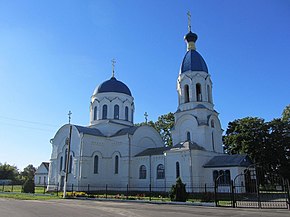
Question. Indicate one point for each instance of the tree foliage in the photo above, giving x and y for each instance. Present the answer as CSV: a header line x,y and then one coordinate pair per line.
x,y
163,125
286,113
178,191
8,172
266,143
29,186
28,172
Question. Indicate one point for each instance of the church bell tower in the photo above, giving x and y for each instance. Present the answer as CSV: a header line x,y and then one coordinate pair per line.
x,y
195,119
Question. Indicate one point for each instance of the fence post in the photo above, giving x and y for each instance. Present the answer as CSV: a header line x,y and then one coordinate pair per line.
x,y
149,192
215,193
43,188
106,191
3,187
88,192
288,193
127,196
12,188
233,194
72,189
205,190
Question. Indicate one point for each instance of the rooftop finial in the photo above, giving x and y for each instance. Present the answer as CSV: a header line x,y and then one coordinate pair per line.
x,y
146,117
189,20
113,67
69,116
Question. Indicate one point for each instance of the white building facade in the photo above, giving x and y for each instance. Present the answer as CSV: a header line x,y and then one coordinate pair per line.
x,y
112,151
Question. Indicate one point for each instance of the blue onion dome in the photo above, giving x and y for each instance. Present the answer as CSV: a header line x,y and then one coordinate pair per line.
x,y
192,60
113,85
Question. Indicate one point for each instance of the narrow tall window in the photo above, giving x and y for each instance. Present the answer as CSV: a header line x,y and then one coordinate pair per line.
x,y
212,123
116,164
70,164
215,175
188,136
160,171
96,164
60,163
186,93
142,172
116,112
126,113
95,113
105,111
177,170
198,92
212,141
227,177
208,94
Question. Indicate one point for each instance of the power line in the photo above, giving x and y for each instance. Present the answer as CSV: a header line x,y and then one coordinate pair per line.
x,y
30,122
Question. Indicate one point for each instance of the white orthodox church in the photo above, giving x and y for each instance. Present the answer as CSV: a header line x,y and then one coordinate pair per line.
x,y
112,151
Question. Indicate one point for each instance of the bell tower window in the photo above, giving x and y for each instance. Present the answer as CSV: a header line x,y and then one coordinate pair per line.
x,y
208,94
126,113
186,94
105,111
95,113
188,136
116,112
198,92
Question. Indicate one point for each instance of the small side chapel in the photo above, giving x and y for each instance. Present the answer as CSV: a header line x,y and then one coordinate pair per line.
x,y
112,151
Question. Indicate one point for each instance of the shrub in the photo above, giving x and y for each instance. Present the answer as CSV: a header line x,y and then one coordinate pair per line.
x,y
178,191
28,186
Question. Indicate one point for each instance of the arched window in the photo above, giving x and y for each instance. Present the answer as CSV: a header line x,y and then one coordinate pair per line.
x,y
212,141
116,112
160,171
177,170
132,115
142,172
116,164
105,112
65,160
222,177
126,113
208,94
95,113
60,163
188,136
215,174
96,164
227,177
186,93
198,92
70,164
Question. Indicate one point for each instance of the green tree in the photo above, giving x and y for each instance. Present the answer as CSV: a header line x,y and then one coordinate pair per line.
x,y
178,191
266,143
29,186
28,172
8,172
286,114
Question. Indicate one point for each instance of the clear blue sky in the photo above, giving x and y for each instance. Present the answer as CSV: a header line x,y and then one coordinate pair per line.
x,y
53,54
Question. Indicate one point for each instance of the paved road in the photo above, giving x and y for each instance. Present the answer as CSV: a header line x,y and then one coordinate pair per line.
x,y
80,208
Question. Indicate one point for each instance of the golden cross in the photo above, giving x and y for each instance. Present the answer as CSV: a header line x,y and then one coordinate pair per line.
x,y
146,116
69,116
113,66
189,20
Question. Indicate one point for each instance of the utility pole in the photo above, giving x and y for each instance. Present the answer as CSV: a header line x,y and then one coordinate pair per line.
x,y
68,155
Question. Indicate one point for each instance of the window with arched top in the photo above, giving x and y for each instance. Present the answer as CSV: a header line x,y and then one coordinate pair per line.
x,y
208,94
126,113
116,112
96,164
95,112
198,92
70,164
160,171
142,172
105,112
186,93
116,164
177,169
188,136
60,163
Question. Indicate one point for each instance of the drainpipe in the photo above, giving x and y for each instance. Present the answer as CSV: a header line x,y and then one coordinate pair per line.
x,y
80,160
190,168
